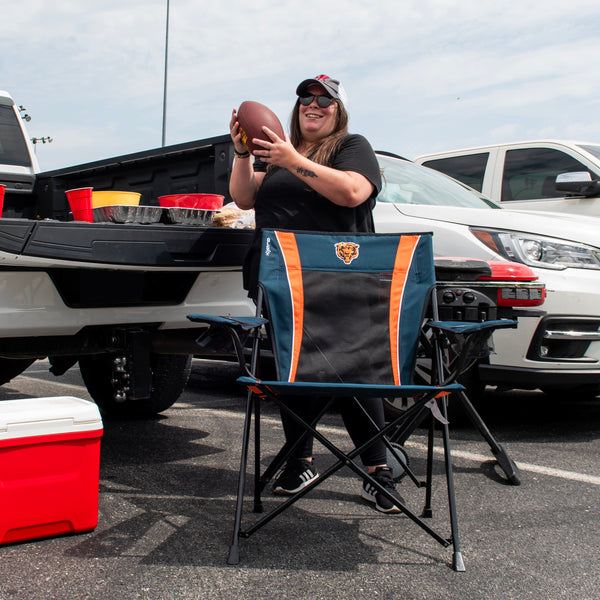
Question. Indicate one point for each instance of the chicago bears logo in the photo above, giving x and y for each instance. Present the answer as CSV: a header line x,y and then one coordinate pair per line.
x,y
347,251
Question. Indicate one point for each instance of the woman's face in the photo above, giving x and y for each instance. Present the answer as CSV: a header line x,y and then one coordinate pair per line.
x,y
317,123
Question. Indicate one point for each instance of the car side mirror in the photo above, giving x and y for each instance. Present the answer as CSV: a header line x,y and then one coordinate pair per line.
x,y
579,183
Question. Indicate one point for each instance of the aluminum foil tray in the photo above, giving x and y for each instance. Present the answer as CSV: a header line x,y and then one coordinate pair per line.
x,y
120,213
189,216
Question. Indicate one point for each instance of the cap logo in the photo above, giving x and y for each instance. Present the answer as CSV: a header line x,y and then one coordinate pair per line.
x,y
347,251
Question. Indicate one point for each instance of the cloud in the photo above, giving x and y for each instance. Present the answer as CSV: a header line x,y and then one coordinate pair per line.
x,y
421,74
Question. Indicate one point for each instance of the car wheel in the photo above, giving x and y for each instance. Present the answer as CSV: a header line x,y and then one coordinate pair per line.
x,y
589,390
475,390
11,367
170,373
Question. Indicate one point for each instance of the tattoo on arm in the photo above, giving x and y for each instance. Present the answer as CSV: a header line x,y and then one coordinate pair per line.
x,y
305,172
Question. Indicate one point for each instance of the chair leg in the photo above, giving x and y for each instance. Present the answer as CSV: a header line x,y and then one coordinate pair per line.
x,y
258,505
234,549
504,460
427,510
457,559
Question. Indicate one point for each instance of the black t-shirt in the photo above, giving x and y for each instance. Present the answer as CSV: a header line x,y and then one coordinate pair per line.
x,y
284,201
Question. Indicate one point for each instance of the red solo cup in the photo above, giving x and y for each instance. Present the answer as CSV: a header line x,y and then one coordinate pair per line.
x,y
80,201
2,188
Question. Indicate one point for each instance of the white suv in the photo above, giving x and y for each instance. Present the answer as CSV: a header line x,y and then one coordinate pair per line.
x,y
549,175
554,348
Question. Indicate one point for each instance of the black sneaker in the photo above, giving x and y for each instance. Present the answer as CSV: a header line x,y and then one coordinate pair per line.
x,y
297,474
383,476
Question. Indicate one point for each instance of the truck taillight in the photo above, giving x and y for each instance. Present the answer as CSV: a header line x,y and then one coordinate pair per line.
x,y
517,284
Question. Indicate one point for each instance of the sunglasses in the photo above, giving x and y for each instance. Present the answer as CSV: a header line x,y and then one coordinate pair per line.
x,y
322,101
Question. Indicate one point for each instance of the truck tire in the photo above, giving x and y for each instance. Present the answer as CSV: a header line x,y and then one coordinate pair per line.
x,y
11,367
170,373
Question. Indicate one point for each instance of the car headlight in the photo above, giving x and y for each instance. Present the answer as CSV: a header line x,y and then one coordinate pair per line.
x,y
539,251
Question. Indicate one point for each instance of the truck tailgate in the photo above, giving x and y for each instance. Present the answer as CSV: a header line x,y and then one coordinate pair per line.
x,y
155,245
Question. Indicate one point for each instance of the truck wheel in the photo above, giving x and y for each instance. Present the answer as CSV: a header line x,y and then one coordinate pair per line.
x,y
11,367
170,373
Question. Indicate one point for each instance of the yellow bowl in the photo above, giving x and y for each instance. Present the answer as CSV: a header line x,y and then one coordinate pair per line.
x,y
115,198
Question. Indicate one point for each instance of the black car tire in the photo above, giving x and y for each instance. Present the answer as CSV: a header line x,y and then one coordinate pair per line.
x,y
170,374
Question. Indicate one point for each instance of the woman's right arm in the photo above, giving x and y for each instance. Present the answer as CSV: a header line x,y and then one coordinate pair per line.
x,y
244,182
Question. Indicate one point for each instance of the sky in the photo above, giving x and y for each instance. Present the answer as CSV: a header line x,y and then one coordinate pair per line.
x,y
421,75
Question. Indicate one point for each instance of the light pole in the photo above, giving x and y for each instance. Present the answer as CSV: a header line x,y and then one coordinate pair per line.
x,y
36,141
164,119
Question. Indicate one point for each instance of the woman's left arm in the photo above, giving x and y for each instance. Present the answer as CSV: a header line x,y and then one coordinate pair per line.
x,y
344,188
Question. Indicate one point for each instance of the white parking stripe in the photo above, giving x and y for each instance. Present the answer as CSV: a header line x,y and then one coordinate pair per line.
x,y
572,475
528,467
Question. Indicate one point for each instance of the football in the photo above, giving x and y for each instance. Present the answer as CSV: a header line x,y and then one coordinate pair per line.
x,y
251,117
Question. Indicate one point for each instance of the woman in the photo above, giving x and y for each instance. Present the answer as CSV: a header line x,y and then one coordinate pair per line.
x,y
319,178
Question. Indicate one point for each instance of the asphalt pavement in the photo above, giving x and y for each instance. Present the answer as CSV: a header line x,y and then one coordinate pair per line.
x,y
166,502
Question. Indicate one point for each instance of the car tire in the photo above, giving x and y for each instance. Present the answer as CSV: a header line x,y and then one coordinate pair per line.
x,y
170,374
588,390
475,390
12,367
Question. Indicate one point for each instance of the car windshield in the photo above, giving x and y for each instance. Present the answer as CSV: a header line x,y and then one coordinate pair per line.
x,y
405,182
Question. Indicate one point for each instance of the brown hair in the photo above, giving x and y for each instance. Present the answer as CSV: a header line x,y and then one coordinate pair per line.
x,y
324,151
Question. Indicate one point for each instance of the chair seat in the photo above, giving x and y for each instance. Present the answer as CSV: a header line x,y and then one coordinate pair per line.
x,y
347,389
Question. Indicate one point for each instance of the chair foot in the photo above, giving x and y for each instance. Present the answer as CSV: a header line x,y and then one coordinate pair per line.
x,y
234,555
457,562
507,464
258,507
427,513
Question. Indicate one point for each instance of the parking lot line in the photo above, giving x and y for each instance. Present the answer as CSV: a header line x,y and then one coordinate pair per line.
x,y
472,456
551,471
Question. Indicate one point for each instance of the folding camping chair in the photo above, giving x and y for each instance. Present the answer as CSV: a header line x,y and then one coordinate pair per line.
x,y
344,314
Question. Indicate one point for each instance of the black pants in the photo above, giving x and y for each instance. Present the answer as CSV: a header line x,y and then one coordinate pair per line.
x,y
358,426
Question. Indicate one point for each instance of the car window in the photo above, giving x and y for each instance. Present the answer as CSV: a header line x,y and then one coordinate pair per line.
x,y
13,150
405,182
591,148
531,173
469,169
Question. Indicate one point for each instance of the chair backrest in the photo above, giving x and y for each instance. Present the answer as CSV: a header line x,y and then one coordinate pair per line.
x,y
346,308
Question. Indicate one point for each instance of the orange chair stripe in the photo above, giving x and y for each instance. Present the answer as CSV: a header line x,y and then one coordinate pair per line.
x,y
404,255
291,256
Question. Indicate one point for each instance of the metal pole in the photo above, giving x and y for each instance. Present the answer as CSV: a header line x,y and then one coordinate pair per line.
x,y
164,120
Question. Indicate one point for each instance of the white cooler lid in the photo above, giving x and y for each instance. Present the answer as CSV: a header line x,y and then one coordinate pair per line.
x,y
28,417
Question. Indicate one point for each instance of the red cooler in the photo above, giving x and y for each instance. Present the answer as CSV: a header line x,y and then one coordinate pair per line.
x,y
49,467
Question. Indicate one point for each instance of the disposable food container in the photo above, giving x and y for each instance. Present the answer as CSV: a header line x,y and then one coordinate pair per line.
x,y
127,214
109,198
189,216
198,201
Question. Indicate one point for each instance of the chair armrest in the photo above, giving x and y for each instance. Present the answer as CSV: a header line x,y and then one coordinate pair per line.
x,y
466,328
473,344
241,323
236,329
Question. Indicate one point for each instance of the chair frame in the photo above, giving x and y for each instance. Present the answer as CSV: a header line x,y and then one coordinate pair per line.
x,y
430,402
